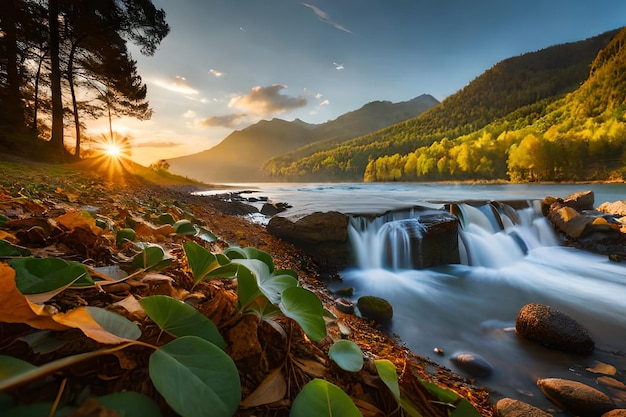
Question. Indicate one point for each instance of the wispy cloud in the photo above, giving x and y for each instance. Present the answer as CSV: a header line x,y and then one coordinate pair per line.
x,y
267,101
216,73
233,121
177,84
338,67
325,17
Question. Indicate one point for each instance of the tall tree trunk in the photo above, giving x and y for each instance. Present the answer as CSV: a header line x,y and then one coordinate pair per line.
x,y
35,124
70,80
55,76
13,107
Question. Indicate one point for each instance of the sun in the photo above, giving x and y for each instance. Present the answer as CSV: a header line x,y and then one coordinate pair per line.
x,y
112,150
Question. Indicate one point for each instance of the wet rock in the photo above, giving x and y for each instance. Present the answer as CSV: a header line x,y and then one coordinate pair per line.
x,y
345,306
618,207
576,397
472,363
568,220
375,308
440,240
553,329
271,208
580,201
324,236
508,407
345,292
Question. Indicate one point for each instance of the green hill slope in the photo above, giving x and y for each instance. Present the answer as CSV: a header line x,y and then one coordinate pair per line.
x,y
523,84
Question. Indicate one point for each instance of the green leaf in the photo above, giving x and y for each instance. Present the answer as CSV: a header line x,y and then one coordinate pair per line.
x,y
247,288
462,407
180,319
10,367
37,410
320,398
40,275
206,235
196,378
152,257
7,249
114,323
235,252
166,218
387,373
130,404
200,260
124,235
271,285
184,227
347,355
306,309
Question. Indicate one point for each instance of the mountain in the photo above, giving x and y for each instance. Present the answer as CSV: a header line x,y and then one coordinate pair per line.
x,y
529,81
240,156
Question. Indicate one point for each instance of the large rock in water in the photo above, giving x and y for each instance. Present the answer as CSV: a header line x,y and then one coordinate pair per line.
x,y
553,329
440,240
576,397
508,407
323,235
375,308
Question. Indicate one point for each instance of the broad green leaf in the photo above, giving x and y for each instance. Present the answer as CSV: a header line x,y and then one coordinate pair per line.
x,y
264,308
39,275
347,355
7,249
200,260
206,235
387,373
180,319
464,409
152,257
306,309
114,323
272,286
10,367
185,227
320,398
130,404
166,218
43,342
235,252
196,378
247,288
124,235
461,406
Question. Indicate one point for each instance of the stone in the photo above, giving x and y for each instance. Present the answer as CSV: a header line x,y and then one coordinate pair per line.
x,y
345,306
472,363
617,207
440,240
508,407
375,308
576,397
271,208
580,201
553,329
569,221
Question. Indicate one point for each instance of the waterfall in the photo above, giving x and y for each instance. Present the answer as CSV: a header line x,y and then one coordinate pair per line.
x,y
389,241
490,235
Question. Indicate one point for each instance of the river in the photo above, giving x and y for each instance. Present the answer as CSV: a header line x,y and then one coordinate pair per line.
x,y
471,307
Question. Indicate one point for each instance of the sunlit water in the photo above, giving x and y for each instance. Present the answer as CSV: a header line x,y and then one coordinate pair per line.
x,y
472,307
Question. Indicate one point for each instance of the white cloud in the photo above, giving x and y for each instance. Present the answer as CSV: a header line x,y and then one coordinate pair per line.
x,y
267,101
324,103
216,73
325,17
338,66
189,114
177,84
233,121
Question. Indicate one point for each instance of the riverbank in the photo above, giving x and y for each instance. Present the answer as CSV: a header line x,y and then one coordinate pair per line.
x,y
35,196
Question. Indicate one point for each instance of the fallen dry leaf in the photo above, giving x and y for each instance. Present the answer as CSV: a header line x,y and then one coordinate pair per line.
x,y
16,308
81,319
272,389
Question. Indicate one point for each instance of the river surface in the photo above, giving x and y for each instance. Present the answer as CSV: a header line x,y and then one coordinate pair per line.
x,y
471,307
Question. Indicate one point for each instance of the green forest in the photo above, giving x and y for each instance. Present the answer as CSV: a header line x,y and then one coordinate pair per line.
x,y
552,115
65,62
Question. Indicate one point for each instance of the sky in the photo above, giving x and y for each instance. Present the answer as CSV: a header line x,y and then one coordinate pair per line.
x,y
226,64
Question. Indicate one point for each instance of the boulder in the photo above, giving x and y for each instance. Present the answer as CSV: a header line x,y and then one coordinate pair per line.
x,y
324,236
553,329
568,220
271,208
440,240
580,201
576,397
472,363
618,412
617,207
375,308
508,407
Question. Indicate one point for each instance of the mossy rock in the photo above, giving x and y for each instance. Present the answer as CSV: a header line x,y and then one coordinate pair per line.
x,y
375,308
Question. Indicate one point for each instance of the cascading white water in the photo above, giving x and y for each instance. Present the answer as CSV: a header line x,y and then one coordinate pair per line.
x,y
509,258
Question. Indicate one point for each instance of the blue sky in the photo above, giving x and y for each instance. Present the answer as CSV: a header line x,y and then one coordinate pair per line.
x,y
227,64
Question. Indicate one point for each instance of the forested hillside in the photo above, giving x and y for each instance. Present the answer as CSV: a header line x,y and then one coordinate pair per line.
x,y
520,88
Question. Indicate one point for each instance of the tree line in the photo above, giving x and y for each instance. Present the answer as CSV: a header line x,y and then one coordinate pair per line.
x,y
67,60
